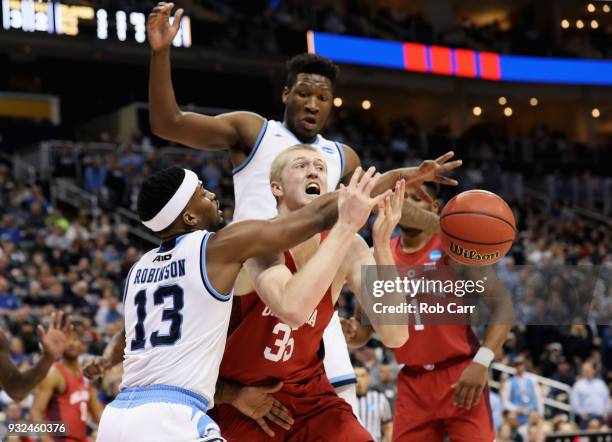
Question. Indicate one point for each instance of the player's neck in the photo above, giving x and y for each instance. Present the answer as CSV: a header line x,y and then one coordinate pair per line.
x,y
72,365
412,244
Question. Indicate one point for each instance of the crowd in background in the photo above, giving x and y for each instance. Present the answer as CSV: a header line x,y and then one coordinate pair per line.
x,y
278,27
56,256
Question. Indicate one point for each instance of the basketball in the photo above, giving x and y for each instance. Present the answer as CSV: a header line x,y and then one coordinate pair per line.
x,y
477,228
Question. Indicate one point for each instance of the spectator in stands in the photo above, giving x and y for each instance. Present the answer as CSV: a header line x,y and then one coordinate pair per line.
x,y
521,393
386,382
590,397
95,176
496,409
374,409
8,300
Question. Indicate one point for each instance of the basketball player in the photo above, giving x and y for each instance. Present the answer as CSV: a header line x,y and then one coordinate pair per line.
x,y
442,387
16,384
66,396
178,300
281,339
253,142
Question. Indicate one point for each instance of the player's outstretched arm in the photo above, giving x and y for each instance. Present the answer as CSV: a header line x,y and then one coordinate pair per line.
x,y
293,297
429,170
53,340
233,245
113,355
389,213
228,131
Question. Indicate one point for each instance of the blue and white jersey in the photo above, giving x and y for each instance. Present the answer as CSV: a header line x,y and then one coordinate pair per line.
x,y
252,192
175,322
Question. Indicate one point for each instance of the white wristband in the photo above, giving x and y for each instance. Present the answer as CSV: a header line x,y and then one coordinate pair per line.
x,y
484,356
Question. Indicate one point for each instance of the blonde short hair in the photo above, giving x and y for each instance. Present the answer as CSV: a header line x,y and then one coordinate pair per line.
x,y
279,163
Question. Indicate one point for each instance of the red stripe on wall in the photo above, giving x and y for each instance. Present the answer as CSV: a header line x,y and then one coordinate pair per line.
x,y
415,57
441,61
489,66
465,63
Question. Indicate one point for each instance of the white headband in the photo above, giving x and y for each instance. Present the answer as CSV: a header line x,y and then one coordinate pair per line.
x,y
177,203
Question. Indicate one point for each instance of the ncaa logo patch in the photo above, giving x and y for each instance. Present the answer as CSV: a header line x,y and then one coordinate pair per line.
x,y
327,149
435,255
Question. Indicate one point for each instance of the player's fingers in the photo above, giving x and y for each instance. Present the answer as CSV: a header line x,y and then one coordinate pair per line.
x,y
177,19
371,183
51,323
68,325
444,158
380,198
41,331
469,396
272,388
449,166
459,395
388,209
264,426
58,320
400,194
278,421
282,412
365,179
445,180
355,178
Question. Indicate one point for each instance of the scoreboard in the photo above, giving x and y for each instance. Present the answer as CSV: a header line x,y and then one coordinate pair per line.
x,y
75,20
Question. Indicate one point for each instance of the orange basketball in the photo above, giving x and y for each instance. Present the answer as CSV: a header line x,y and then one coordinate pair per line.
x,y
477,227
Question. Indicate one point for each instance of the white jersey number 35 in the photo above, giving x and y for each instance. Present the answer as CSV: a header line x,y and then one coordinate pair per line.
x,y
284,344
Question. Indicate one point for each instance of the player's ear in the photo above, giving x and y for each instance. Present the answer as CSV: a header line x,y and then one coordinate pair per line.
x,y
189,218
277,189
285,94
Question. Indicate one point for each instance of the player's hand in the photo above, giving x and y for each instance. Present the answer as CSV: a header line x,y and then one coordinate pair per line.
x,y
354,201
470,385
53,340
258,403
160,32
349,327
431,170
96,367
388,215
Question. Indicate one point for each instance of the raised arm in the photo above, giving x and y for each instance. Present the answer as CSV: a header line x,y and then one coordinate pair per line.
x,y
17,384
293,297
389,212
429,170
236,131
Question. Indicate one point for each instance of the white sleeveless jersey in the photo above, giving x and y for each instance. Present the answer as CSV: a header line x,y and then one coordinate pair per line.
x,y
252,193
175,321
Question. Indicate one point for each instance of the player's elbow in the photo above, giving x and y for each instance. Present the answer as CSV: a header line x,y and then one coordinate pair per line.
x,y
294,318
395,338
164,126
17,394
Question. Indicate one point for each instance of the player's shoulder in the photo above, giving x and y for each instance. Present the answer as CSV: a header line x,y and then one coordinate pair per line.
x,y
247,118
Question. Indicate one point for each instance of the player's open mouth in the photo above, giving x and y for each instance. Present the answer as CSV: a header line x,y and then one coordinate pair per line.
x,y
313,189
309,123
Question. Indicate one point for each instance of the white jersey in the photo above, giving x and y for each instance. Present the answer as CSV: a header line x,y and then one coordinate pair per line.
x,y
175,321
252,193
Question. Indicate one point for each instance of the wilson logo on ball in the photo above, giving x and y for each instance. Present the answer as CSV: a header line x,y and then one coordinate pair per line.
x,y
472,254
